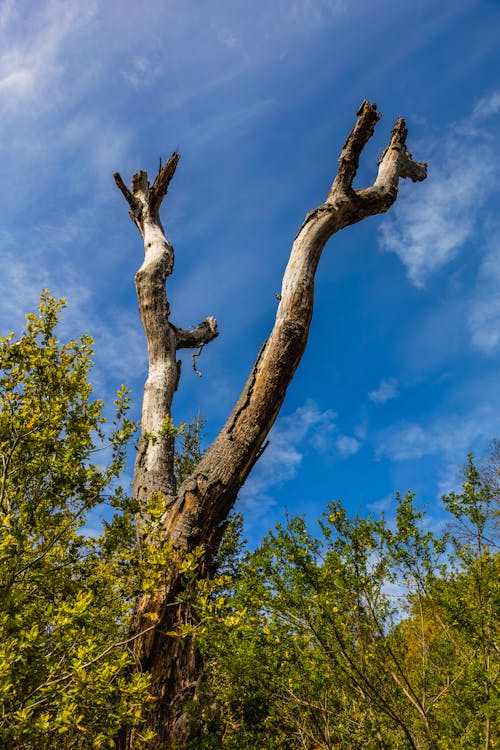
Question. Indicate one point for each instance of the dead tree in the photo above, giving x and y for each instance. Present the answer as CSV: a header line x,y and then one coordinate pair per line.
x,y
196,511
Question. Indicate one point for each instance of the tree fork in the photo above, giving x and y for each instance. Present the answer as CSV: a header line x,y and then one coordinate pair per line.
x,y
197,510
154,466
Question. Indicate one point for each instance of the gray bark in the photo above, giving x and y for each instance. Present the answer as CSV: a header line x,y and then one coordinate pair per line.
x,y
154,466
197,510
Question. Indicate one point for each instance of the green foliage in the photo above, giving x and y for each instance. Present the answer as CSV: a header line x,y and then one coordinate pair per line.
x,y
372,635
65,596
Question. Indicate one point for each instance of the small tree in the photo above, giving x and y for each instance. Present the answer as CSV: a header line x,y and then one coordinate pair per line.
x,y
195,513
65,596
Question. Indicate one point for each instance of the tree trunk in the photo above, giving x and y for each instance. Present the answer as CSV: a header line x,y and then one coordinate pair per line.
x,y
196,512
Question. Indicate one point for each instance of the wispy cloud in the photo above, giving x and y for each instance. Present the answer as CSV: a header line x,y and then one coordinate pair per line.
x,y
221,123
104,141
120,343
49,126
119,340
484,306
381,506
428,230
33,39
486,107
429,226
445,440
307,427
450,436
21,287
386,390
142,71
315,11
347,445
232,41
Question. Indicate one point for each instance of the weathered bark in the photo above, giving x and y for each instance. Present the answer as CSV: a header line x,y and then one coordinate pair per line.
x,y
154,466
198,509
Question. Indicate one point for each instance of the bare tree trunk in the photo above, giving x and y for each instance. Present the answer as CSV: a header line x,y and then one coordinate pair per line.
x,y
196,512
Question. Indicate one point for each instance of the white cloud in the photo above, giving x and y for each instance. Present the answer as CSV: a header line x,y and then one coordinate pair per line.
x,y
484,324
381,506
307,427
15,83
447,439
347,446
20,286
450,436
32,40
142,71
105,143
227,38
120,348
428,230
315,11
429,226
404,442
485,108
120,343
232,42
484,308
214,125
387,389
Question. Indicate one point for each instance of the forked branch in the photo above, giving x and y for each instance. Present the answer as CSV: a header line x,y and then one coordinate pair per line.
x,y
144,200
206,497
154,467
367,118
196,512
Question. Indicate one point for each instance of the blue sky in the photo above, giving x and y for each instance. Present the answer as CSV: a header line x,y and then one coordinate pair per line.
x,y
400,378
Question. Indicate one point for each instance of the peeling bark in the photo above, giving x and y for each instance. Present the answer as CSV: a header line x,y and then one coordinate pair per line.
x,y
196,512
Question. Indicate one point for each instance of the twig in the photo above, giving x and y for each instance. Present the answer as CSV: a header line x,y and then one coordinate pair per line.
x,y
197,354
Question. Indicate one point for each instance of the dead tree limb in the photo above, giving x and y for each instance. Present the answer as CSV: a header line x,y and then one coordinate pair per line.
x,y
154,467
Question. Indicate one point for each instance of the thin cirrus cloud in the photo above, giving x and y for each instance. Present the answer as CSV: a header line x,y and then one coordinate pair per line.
x,y
449,436
486,107
484,306
446,439
347,445
142,71
117,333
315,11
428,230
32,48
387,390
293,435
